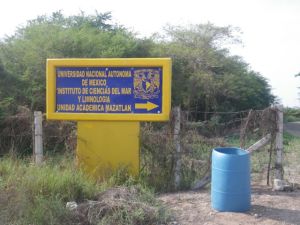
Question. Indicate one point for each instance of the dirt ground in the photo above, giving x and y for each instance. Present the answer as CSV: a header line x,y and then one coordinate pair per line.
x,y
267,207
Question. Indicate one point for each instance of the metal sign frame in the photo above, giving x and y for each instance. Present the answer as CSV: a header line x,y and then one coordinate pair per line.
x,y
164,63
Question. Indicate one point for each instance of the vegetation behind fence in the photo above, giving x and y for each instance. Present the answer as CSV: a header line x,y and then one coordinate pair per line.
x,y
159,155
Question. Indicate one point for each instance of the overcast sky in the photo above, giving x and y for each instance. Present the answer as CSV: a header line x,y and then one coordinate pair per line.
x,y
271,28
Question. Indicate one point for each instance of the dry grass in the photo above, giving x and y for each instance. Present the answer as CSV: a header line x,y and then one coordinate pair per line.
x,y
37,195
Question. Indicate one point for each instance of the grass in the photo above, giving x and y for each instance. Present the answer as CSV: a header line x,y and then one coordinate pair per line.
x,y
291,158
37,195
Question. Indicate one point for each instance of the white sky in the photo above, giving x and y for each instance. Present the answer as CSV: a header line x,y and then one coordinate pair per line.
x,y
271,28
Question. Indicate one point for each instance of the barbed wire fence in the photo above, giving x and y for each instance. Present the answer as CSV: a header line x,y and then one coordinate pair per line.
x,y
191,151
17,134
174,155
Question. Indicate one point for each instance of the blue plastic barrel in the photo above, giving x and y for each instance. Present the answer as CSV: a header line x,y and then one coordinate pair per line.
x,y
230,180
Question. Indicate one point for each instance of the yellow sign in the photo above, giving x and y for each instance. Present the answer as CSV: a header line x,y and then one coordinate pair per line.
x,y
104,146
109,89
108,97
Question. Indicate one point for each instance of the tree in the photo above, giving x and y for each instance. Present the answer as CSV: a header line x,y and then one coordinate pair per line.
x,y
205,76
10,93
84,36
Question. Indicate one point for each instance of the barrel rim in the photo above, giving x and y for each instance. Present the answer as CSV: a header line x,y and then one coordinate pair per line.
x,y
238,152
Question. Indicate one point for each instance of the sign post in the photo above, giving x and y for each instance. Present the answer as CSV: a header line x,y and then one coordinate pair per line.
x,y
108,98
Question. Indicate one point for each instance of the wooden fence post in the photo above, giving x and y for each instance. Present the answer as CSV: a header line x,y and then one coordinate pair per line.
x,y
177,146
279,143
38,137
259,144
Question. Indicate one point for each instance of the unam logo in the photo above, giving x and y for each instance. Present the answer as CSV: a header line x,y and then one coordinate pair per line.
x,y
146,83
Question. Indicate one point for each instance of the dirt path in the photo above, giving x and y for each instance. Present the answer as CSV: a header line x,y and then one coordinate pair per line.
x,y
292,128
268,208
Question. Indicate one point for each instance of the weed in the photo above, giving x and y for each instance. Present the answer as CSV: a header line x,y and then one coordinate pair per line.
x,y
31,194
